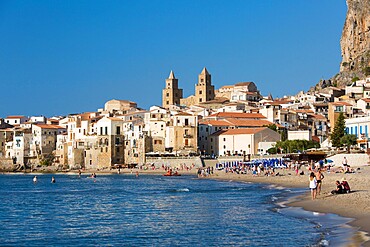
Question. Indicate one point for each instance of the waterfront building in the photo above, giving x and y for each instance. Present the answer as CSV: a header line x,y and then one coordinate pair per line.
x,y
359,127
242,141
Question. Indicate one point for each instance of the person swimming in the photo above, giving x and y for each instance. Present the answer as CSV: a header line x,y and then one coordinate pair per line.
x,y
52,180
35,179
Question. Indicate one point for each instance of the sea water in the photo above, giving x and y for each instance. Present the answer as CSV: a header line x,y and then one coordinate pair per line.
x,y
153,210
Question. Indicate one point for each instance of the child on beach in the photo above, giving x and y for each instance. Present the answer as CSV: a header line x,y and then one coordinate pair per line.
x,y
313,185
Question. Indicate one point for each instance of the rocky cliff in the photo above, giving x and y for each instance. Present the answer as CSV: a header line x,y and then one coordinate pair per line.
x,y
355,46
355,41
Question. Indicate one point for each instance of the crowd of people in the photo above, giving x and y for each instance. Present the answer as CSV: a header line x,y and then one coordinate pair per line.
x,y
316,177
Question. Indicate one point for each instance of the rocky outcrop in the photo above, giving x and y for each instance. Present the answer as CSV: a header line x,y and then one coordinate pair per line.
x,y
355,46
355,41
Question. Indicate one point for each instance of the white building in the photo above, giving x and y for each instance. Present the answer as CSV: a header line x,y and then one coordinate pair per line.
x,y
15,120
359,127
241,141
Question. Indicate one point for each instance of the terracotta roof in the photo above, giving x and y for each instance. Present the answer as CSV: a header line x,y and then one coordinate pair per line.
x,y
246,131
366,99
243,83
317,116
249,122
280,102
339,103
183,114
303,111
15,117
215,122
49,126
237,115
114,118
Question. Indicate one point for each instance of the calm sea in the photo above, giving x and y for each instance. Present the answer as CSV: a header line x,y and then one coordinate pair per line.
x,y
151,210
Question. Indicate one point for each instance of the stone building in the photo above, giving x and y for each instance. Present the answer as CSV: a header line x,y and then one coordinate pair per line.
x,y
171,93
204,90
119,105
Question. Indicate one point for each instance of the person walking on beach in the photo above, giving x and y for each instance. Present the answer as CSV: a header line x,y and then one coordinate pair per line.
x,y
313,185
344,163
319,178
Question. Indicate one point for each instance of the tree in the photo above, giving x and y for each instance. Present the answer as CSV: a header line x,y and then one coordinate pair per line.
x,y
339,131
272,127
348,141
289,146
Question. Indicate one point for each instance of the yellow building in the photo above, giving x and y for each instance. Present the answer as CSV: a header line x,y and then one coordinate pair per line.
x,y
171,94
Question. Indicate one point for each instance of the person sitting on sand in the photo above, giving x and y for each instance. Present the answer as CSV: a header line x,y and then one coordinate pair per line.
x,y
345,186
339,189
313,185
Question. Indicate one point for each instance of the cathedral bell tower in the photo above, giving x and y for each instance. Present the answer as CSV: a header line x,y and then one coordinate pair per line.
x,y
204,90
171,94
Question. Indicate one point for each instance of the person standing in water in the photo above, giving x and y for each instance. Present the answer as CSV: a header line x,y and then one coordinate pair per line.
x,y
35,179
52,180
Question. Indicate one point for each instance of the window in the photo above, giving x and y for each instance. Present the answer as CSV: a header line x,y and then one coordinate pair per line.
x,y
200,91
167,102
224,147
118,130
167,94
186,122
224,139
106,130
200,100
202,80
159,142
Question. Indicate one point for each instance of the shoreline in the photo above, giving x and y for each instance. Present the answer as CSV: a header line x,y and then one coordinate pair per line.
x,y
354,205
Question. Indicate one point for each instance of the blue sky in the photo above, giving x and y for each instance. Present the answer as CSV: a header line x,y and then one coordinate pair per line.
x,y
59,57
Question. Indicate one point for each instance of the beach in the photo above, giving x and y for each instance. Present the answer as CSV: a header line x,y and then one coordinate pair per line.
x,y
354,205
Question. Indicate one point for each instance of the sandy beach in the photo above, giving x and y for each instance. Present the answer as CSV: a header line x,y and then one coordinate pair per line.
x,y
354,205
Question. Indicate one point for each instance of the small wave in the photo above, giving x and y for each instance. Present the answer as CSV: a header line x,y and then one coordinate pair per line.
x,y
324,243
274,198
183,190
